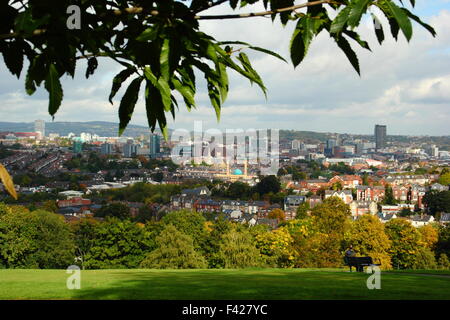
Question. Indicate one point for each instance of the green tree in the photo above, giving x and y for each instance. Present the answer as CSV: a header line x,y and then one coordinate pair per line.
x,y
443,262
238,250
437,202
268,184
405,243
405,212
37,239
116,244
302,210
444,179
85,236
175,250
191,223
118,210
424,259
331,222
389,196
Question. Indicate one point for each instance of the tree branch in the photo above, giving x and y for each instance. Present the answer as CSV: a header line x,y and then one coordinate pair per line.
x,y
263,13
140,10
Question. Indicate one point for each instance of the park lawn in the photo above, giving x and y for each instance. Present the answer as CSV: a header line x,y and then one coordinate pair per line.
x,y
275,284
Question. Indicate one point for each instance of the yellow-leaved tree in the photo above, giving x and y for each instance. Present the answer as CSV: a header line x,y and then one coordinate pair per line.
x,y
368,238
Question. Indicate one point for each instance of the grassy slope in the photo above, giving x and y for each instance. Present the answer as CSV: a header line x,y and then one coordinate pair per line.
x,y
219,284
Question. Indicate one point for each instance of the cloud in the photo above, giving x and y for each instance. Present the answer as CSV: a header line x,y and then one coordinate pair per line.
x,y
404,85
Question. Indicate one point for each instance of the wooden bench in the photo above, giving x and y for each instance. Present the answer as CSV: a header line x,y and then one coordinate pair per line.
x,y
359,263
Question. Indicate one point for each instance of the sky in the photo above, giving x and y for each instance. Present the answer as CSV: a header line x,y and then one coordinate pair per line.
x,y
405,86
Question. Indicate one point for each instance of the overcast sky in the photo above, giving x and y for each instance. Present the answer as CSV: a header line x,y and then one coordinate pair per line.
x,y
405,86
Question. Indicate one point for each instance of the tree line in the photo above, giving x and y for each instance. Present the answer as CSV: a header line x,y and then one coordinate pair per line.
x,y
186,239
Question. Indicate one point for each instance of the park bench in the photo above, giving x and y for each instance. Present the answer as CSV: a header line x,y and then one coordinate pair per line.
x,y
359,263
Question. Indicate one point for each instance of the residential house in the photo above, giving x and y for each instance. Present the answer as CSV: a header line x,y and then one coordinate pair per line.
x,y
359,208
344,195
421,220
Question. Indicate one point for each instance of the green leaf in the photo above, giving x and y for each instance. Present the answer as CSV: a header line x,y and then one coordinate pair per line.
x,y
92,66
118,80
356,12
402,19
378,29
355,36
13,57
347,49
128,103
149,34
341,19
254,76
224,86
53,86
417,19
164,59
268,52
162,85
186,92
155,108
29,82
214,97
305,31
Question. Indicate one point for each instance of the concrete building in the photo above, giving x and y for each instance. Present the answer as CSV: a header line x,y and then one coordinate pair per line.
x,y
380,136
39,127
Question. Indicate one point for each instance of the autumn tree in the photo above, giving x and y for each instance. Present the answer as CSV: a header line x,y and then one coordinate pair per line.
x,y
276,246
429,236
405,243
277,214
331,220
368,238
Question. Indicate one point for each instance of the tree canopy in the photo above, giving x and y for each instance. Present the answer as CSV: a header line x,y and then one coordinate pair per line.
x,y
161,46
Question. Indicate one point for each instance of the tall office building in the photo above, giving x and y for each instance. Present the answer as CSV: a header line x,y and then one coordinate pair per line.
x,y
130,150
39,126
380,137
155,145
106,148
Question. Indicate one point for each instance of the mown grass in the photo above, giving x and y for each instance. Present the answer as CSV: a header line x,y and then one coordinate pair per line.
x,y
277,284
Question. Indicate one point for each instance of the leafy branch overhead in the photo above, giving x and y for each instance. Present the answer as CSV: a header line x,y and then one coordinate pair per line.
x,y
161,47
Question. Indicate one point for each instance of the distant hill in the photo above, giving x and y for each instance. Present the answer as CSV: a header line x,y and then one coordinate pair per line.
x,y
101,128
